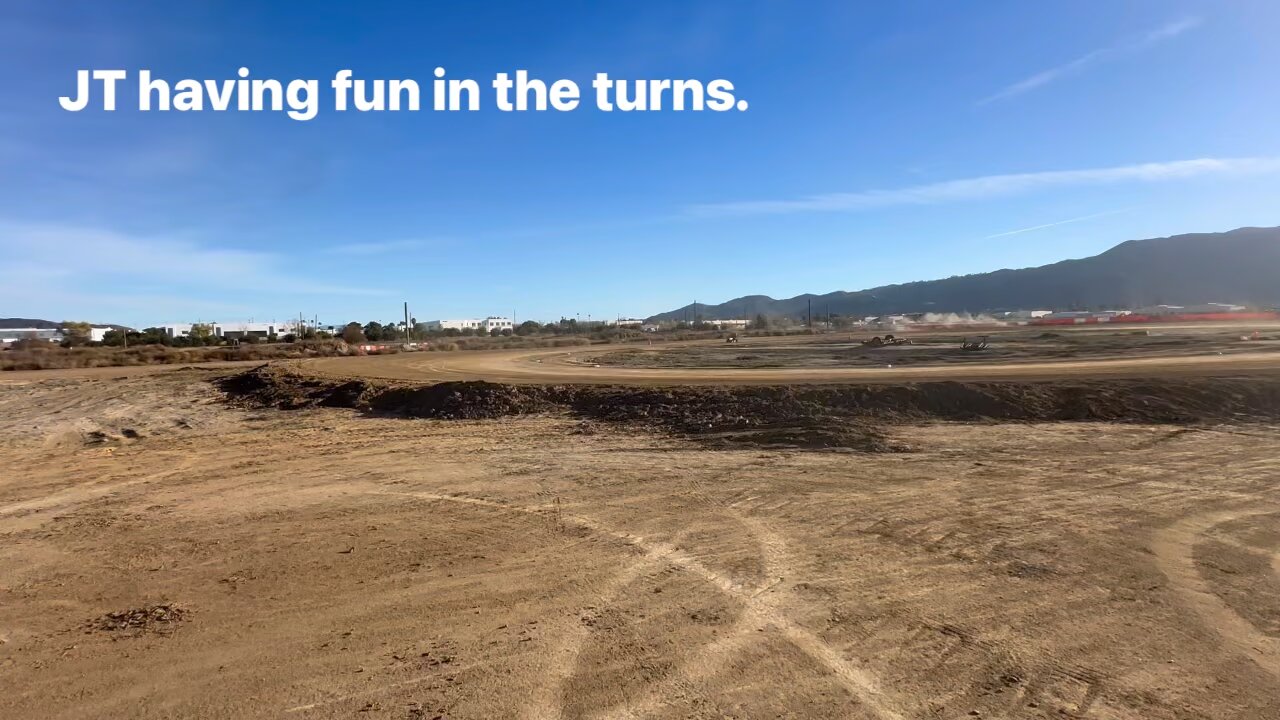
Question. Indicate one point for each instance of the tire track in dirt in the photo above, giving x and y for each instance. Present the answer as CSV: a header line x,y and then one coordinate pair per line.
x,y
546,703
1174,547
80,494
711,658
759,607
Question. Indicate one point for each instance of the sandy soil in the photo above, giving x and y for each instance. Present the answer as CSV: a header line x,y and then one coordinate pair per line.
x,y
20,377
322,563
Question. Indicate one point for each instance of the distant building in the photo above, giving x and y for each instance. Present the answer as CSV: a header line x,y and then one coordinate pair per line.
x,y
1191,309
487,325
53,335
627,322
1161,310
12,335
237,330
729,324
1216,308
181,330
1022,314
1071,314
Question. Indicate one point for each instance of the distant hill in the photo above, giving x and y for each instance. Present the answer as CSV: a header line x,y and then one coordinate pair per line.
x,y
1240,266
10,323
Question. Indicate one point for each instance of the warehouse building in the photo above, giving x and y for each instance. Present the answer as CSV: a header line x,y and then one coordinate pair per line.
x,y
488,324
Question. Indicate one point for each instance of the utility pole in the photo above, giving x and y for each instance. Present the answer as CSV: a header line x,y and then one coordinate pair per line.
x,y
406,323
810,312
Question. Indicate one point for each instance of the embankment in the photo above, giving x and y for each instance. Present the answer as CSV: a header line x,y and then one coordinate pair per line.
x,y
810,416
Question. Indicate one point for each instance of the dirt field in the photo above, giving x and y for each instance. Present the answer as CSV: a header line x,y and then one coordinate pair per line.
x,y
168,554
1211,349
943,348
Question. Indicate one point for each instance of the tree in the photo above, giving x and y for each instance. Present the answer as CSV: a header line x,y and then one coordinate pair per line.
x,y
202,334
760,323
76,333
113,337
352,334
152,336
29,342
373,331
529,327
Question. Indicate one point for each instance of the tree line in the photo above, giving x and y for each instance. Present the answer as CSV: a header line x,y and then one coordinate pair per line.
x,y
78,334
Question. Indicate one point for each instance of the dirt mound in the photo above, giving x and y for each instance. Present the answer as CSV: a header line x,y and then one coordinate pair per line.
x,y
287,391
462,400
762,416
832,416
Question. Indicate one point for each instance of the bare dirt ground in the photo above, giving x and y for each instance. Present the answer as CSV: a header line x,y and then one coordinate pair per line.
x,y
944,348
166,554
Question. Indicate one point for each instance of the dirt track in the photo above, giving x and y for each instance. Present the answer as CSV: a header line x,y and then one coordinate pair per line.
x,y
559,366
321,563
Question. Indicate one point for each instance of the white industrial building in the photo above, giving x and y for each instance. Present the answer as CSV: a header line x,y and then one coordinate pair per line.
x,y
178,330
11,335
236,331
233,330
53,335
488,324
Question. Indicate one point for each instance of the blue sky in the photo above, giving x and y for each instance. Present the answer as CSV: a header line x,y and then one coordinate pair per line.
x,y
884,142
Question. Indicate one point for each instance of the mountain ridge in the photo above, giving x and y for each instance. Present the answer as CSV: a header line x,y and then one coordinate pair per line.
x,y
18,323
1238,266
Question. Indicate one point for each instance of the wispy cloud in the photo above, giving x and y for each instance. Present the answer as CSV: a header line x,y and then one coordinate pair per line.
x,y
377,248
1167,31
80,256
1046,226
980,188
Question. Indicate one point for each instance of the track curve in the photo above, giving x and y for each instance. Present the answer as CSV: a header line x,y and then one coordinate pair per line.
x,y
561,366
